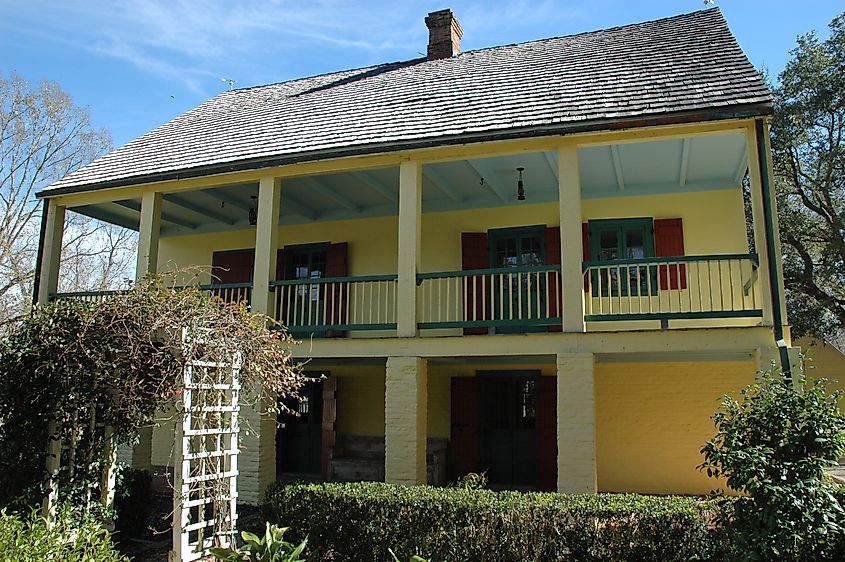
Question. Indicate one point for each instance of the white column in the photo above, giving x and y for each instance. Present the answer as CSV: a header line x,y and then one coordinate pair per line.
x,y
51,252
576,424
571,249
266,243
759,225
410,230
405,416
257,462
148,235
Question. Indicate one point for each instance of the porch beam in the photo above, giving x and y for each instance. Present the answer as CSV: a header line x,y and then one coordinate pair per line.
x,y
194,208
617,167
547,156
438,182
576,424
569,207
410,230
298,208
682,174
229,200
166,217
490,185
740,171
383,190
315,185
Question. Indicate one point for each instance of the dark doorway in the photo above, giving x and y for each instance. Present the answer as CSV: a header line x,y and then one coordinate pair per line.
x,y
508,428
299,440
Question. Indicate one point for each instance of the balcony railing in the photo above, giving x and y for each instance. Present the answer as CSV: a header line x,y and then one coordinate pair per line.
x,y
688,287
228,292
512,299
484,298
318,305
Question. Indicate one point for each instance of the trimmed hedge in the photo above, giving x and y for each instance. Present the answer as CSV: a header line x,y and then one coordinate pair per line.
x,y
361,521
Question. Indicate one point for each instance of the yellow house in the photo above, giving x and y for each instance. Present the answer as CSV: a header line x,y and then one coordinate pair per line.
x,y
530,260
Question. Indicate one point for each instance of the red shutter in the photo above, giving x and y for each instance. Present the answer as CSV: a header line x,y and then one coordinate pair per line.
x,y
669,243
232,267
329,419
463,444
585,250
547,434
281,266
474,255
335,297
553,258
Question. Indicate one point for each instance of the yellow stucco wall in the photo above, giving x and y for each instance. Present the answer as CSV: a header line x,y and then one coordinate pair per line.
x,y
824,361
653,418
713,223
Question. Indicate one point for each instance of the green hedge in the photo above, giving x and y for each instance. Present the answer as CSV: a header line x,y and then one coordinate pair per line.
x,y
361,521
27,539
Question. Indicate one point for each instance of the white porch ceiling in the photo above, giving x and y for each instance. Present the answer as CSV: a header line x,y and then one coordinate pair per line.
x,y
698,163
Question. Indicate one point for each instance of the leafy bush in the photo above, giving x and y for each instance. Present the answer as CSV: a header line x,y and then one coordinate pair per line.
x,y
360,521
774,446
133,500
69,540
272,547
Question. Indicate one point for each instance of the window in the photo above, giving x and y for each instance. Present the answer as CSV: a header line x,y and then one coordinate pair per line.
x,y
619,240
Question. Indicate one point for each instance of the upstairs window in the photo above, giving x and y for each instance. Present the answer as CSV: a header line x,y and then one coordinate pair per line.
x,y
623,239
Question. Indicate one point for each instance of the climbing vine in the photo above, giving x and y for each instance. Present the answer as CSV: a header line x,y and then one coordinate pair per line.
x,y
94,372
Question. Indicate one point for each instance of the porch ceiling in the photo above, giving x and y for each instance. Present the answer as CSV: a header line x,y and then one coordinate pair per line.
x,y
622,170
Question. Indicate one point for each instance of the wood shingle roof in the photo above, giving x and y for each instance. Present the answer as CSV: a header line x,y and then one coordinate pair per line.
x,y
688,66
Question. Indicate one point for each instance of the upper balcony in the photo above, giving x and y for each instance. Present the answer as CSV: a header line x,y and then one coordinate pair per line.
x,y
609,233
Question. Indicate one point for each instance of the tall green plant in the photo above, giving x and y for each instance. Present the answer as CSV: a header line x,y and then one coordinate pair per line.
x,y
773,445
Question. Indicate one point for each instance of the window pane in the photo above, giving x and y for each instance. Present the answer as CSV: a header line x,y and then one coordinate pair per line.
x,y
634,243
608,245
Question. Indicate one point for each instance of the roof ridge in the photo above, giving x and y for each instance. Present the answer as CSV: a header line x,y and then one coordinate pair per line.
x,y
401,63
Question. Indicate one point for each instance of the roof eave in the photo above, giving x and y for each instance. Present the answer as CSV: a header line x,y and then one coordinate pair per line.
x,y
569,128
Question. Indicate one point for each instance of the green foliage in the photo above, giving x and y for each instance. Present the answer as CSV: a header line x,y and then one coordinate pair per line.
x,y
774,446
111,364
272,547
414,558
27,539
473,481
133,500
359,521
808,150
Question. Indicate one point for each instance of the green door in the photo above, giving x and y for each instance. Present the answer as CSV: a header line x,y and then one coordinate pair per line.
x,y
519,297
299,438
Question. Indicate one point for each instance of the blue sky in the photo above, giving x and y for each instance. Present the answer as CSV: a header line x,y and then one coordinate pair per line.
x,y
136,64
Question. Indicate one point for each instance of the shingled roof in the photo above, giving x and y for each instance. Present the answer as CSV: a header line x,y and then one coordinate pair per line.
x,y
683,68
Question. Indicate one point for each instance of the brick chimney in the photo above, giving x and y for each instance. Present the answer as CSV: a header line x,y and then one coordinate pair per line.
x,y
444,34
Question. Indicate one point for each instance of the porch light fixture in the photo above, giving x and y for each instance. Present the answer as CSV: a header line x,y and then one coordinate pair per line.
x,y
253,211
520,188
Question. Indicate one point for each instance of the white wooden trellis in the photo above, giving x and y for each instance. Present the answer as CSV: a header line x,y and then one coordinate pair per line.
x,y
206,455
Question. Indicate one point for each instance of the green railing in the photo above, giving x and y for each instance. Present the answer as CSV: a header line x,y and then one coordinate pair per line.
x,y
686,287
504,299
318,305
228,292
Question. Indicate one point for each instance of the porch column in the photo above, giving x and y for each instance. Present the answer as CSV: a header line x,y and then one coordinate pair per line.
x,y
257,462
148,235
410,213
405,415
576,424
48,282
759,226
571,248
266,244
51,251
